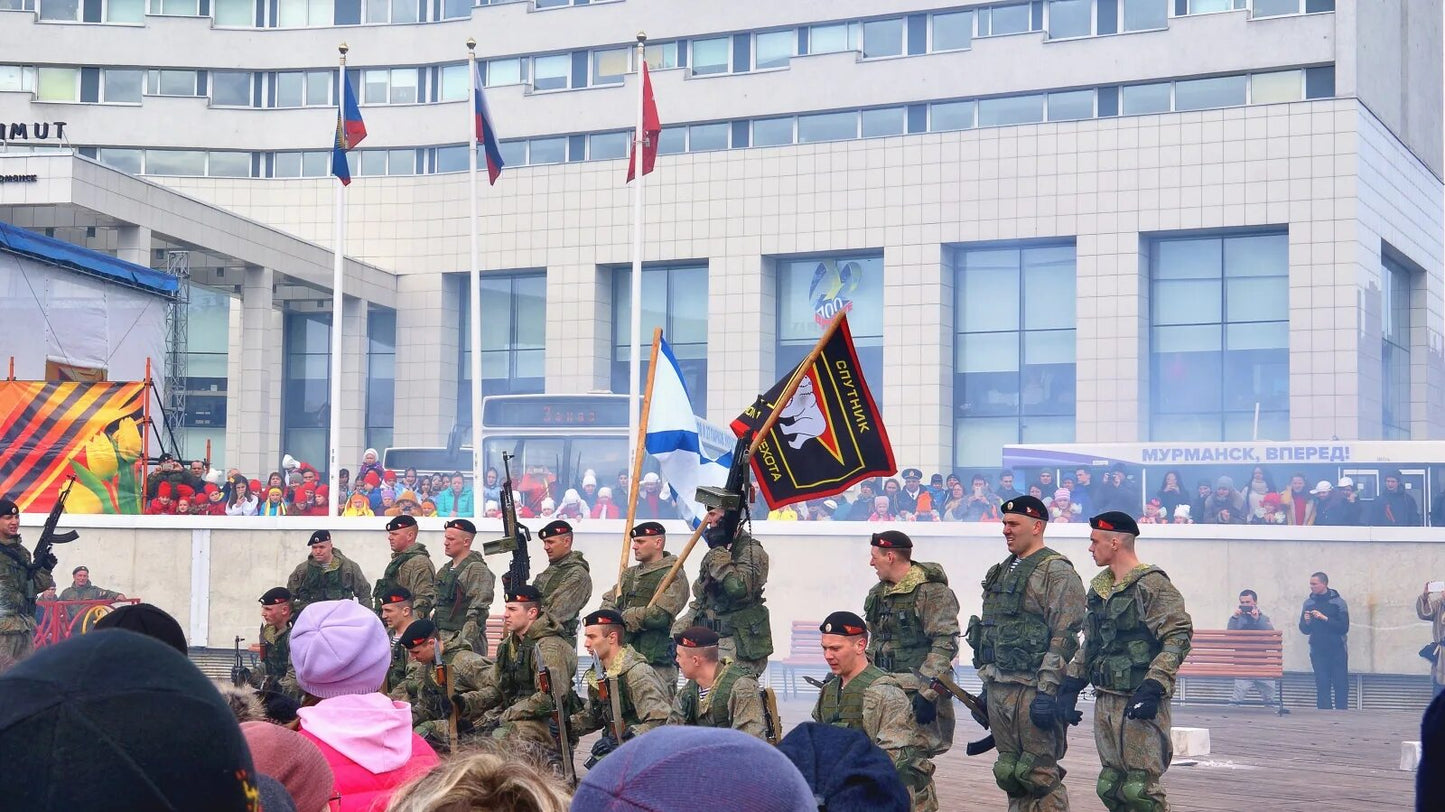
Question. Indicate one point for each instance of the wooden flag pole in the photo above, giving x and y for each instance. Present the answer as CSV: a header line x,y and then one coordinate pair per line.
x,y
677,565
640,451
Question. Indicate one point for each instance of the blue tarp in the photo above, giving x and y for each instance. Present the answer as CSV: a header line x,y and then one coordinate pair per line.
x,y
58,252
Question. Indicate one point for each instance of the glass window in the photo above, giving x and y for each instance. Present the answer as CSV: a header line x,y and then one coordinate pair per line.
x,y
773,49
503,72
769,132
235,13
1395,332
315,164
952,31
456,9
290,13
230,165
318,87
1010,110
17,77
882,38
125,11
1071,18
1143,99
454,159
883,121
456,85
811,291
374,84
1003,20
672,141
404,83
1210,6
123,86
605,146
291,89
660,56
58,84
828,127
610,65
230,88
1199,94
126,160
286,165
547,150
372,161
945,116
377,11
514,341
172,83
404,11
175,162
710,56
320,12
1277,86
1145,15
401,162
1071,105
62,10
829,39
514,153
551,72
669,301
1274,8
707,137
380,375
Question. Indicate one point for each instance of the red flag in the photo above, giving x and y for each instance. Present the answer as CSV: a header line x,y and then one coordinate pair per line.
x,y
651,130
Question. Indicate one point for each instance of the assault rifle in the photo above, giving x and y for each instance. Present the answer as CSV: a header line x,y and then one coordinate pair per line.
x,y
732,497
240,674
48,536
515,535
945,685
443,676
554,689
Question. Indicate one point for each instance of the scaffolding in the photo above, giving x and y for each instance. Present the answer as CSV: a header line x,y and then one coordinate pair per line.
x,y
178,264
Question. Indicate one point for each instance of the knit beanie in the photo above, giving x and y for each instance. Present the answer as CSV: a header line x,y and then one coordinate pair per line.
x,y
274,797
292,759
121,722
846,771
149,620
339,648
660,771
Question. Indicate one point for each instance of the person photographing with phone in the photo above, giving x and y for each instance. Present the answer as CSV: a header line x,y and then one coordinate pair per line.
x,y
1325,619
1248,617
1430,606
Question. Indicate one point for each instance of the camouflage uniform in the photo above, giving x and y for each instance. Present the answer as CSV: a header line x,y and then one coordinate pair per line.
x,y
1136,629
464,599
467,672
400,668
410,568
566,587
19,587
643,699
728,598
875,703
648,630
510,700
913,625
340,580
1033,609
89,592
734,701
274,671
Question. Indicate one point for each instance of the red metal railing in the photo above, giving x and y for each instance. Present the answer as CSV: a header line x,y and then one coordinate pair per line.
x,y
61,619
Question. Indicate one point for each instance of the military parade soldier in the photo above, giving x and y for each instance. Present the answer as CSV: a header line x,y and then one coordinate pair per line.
x,y
566,583
1033,609
81,589
648,628
728,596
21,582
397,615
274,673
431,703
718,692
465,586
327,575
861,696
1136,635
913,631
410,567
625,697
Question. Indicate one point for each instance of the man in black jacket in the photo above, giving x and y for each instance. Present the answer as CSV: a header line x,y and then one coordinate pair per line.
x,y
1394,507
1326,621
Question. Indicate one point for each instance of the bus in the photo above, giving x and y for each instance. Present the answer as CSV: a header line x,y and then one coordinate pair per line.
x,y
1419,463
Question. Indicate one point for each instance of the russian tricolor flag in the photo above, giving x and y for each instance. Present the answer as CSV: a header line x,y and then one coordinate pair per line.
x,y
350,130
486,129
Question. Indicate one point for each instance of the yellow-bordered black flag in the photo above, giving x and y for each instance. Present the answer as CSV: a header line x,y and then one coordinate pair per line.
x,y
828,435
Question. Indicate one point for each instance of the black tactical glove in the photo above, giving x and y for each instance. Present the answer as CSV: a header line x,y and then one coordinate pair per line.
x,y
444,705
1144,704
1043,711
923,710
981,715
46,562
1067,704
604,745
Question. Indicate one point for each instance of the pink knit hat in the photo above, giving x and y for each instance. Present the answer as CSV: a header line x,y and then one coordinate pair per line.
x,y
292,759
339,648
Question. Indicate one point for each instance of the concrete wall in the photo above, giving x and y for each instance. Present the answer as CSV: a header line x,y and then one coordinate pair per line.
x,y
210,574
1396,59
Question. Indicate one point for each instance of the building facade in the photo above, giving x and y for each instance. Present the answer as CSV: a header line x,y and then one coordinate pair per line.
x,y
1051,221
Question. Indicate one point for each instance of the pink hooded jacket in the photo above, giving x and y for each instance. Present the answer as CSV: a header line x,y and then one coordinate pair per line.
x,y
368,741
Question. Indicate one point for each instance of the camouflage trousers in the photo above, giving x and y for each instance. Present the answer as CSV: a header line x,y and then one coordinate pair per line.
x,y
14,647
925,799
1028,756
1133,753
668,675
727,647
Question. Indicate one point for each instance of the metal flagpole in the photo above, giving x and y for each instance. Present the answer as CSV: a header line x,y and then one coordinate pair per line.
x,y
635,368
475,286
338,252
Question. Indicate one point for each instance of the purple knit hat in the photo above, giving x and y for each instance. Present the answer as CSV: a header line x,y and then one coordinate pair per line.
x,y
339,648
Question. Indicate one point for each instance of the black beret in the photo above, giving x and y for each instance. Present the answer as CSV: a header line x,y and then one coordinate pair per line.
x,y
555,528
275,596
79,569
844,623
648,529
397,594
603,617
319,536
398,522
1115,521
464,525
1026,506
696,637
891,540
8,508
417,633
524,594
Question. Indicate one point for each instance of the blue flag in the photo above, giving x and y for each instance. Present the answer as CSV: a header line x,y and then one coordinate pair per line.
x,y
350,130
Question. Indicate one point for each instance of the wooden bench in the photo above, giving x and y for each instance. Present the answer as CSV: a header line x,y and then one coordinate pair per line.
x,y
805,656
494,634
1235,654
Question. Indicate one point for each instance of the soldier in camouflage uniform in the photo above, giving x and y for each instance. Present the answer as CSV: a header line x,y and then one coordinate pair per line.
x,y
861,696
1136,635
640,695
566,583
648,628
718,693
912,629
465,586
397,616
20,583
728,597
274,672
431,703
510,700
1033,608
81,589
410,567
327,575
